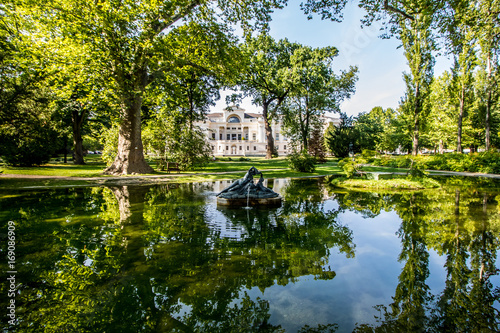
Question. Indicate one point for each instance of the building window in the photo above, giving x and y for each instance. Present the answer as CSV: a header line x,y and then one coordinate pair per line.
x,y
277,137
239,136
254,148
284,147
277,147
254,136
213,147
220,148
220,136
233,137
227,147
248,147
228,137
240,148
213,136
233,119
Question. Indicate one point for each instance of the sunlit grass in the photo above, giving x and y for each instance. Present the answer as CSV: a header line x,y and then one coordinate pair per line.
x,y
223,169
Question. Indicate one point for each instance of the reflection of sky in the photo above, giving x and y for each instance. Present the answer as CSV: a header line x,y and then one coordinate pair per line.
x,y
362,282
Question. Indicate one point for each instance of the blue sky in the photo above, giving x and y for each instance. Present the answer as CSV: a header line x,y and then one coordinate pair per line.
x,y
380,63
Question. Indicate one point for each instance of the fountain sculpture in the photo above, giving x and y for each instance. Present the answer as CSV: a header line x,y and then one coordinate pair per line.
x,y
245,191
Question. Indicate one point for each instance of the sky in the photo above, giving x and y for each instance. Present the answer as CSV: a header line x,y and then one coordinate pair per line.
x,y
380,62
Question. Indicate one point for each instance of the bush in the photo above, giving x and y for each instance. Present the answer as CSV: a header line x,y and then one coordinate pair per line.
x,y
351,166
29,146
302,162
369,155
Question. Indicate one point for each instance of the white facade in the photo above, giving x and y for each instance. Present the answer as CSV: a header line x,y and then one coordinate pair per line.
x,y
234,132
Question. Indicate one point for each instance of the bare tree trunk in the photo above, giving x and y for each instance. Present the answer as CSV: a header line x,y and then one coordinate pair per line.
x,y
487,129
460,120
269,130
77,122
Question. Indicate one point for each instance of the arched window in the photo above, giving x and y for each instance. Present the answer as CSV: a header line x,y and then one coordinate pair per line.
x,y
233,119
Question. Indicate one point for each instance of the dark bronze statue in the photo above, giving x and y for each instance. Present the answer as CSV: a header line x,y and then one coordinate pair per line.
x,y
246,188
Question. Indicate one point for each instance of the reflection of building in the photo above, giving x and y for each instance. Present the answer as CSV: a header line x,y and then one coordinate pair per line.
x,y
236,132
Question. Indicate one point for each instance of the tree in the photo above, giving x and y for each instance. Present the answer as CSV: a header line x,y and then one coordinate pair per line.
x,y
340,139
267,77
317,89
317,145
129,43
460,38
26,133
442,120
370,126
488,24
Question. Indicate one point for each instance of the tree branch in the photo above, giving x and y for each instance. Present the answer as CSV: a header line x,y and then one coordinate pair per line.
x,y
390,8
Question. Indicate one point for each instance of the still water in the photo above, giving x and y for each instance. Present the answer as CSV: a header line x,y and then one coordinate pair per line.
x,y
167,259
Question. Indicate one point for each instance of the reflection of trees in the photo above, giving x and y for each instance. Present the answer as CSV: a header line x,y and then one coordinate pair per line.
x,y
148,261
461,224
293,241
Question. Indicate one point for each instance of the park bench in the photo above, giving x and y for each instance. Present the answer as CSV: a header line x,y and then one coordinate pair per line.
x,y
173,166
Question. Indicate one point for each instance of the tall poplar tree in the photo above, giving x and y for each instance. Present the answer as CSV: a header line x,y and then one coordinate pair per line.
x,y
458,20
488,22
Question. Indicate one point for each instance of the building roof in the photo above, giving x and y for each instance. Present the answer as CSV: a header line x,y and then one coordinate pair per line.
x,y
215,114
252,115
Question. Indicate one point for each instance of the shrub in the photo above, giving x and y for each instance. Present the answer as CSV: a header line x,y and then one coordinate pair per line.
x,y
29,146
302,162
351,166
369,155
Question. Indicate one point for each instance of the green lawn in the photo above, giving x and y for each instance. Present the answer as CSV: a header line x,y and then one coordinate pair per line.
x,y
217,170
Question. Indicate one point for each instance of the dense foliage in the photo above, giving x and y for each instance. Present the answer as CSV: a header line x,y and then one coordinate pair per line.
x,y
301,161
486,162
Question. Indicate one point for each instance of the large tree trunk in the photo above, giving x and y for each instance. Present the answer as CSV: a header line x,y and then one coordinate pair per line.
x,y
460,120
269,131
130,157
77,122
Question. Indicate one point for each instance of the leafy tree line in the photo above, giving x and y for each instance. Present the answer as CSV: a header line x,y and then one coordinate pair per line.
x,y
139,74
460,108
139,65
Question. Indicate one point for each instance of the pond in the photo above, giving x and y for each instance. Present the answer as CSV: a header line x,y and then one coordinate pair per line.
x,y
166,259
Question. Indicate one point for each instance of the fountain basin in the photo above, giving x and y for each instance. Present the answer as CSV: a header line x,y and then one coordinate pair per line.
x,y
242,202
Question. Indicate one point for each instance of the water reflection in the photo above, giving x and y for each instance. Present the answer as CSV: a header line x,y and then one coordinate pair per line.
x,y
165,258
462,225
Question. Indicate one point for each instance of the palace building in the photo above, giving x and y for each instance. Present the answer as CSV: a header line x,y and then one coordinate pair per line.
x,y
235,132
